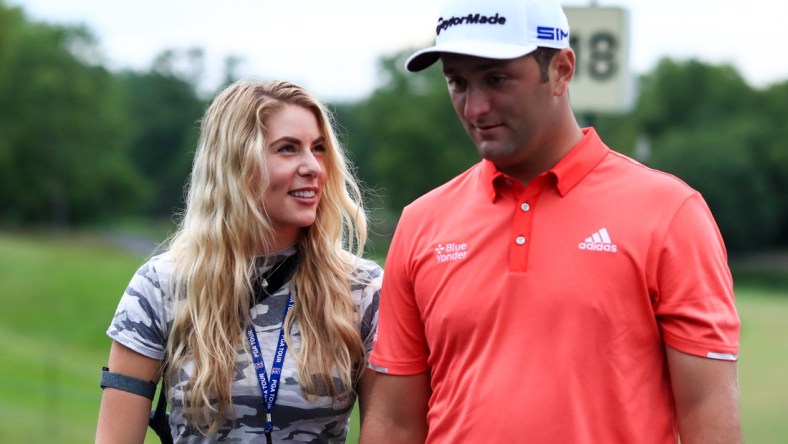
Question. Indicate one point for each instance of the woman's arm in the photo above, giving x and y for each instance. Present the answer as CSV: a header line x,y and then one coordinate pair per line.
x,y
123,416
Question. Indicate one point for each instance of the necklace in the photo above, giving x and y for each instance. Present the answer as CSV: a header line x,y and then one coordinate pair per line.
x,y
270,273
273,279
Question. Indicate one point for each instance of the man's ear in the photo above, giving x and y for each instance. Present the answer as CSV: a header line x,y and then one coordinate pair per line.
x,y
562,68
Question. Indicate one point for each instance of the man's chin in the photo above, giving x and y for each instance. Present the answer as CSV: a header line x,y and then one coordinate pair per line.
x,y
489,150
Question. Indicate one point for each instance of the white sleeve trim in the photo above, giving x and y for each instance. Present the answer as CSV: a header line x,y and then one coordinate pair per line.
x,y
722,356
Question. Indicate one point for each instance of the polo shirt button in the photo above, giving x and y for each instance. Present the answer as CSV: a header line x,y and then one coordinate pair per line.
x,y
520,240
508,181
525,207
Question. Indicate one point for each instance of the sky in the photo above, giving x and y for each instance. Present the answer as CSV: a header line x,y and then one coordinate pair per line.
x,y
332,47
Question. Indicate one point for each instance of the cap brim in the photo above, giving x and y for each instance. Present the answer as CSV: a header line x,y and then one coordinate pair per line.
x,y
424,58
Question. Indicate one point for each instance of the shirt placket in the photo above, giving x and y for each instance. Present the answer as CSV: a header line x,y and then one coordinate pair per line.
x,y
521,238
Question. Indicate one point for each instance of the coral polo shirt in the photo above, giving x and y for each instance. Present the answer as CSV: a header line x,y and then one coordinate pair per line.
x,y
542,312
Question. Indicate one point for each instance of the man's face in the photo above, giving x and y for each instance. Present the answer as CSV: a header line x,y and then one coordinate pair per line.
x,y
505,107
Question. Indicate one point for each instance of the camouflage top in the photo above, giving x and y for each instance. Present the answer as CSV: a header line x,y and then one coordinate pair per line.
x,y
144,317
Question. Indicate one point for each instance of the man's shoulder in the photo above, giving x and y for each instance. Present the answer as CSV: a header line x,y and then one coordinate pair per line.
x,y
459,185
639,176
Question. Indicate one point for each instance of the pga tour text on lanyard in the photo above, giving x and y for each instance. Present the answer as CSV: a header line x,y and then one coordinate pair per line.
x,y
269,387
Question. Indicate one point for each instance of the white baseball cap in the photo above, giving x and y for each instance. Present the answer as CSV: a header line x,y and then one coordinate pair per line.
x,y
495,29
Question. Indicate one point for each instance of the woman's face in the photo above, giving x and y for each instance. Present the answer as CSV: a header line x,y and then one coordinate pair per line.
x,y
295,158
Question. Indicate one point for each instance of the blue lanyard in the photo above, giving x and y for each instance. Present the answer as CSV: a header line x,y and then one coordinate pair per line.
x,y
269,388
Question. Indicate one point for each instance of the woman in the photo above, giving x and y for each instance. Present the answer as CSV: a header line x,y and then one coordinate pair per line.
x,y
223,315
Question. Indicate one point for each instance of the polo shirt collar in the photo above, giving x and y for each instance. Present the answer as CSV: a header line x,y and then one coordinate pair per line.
x,y
568,172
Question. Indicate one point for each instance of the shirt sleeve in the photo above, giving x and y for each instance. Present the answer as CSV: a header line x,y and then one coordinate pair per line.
x,y
400,346
141,320
696,307
369,277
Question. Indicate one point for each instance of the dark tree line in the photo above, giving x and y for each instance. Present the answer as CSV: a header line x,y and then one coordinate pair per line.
x,y
81,144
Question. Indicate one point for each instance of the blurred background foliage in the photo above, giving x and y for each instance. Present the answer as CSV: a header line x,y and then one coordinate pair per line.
x,y
85,149
81,145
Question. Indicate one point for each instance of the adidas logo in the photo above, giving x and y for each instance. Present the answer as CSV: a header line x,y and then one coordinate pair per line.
x,y
599,241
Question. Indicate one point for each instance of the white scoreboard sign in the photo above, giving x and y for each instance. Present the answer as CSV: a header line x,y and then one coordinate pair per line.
x,y
603,81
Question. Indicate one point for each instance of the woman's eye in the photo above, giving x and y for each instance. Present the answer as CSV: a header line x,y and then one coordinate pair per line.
x,y
286,149
319,149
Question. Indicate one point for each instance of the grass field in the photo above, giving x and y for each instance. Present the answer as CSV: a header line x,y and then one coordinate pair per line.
x,y
57,295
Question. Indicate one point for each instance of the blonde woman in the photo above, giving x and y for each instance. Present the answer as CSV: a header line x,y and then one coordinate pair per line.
x,y
261,312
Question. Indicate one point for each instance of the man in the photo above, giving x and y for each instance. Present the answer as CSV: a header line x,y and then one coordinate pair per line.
x,y
557,291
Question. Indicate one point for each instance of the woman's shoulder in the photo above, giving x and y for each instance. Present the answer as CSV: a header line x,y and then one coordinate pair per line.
x,y
366,280
365,288
367,265
161,264
366,270
155,272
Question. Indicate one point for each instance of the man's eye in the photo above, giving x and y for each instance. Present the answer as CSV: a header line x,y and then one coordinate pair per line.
x,y
455,83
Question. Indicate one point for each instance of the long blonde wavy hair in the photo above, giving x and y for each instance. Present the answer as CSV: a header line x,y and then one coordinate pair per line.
x,y
225,227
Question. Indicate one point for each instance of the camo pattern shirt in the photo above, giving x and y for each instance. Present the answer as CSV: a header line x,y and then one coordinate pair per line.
x,y
144,317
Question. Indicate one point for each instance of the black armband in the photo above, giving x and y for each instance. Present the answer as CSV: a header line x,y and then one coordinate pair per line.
x,y
127,384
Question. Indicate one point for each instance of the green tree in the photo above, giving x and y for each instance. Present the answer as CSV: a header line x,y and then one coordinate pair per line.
x,y
690,94
719,163
408,134
64,142
771,112
163,109
700,122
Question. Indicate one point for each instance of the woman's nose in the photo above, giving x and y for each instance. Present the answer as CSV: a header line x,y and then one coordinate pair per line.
x,y
310,165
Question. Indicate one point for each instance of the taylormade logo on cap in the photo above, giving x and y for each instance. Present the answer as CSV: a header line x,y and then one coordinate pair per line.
x,y
470,19
495,29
